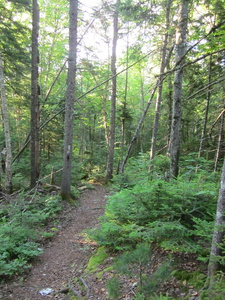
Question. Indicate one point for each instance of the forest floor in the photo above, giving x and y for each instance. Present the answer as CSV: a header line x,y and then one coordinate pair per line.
x,y
62,267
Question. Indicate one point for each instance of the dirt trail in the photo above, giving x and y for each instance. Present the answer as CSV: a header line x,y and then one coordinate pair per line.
x,y
66,255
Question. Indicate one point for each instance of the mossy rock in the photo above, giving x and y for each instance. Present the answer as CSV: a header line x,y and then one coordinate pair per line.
x,y
97,259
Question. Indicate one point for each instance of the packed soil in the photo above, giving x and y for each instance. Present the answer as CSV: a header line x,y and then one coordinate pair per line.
x,y
65,256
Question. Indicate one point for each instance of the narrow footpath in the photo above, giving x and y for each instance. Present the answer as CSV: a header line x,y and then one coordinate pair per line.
x,y
65,256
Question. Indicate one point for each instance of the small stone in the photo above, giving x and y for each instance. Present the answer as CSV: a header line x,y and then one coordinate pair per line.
x,y
45,292
185,282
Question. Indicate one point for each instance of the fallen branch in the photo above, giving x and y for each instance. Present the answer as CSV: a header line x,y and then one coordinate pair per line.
x,y
76,293
85,285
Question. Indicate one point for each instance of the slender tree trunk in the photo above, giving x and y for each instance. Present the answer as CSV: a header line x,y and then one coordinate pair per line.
x,y
69,105
135,136
109,169
8,151
206,110
161,77
175,137
219,151
124,110
105,97
35,105
219,232
170,105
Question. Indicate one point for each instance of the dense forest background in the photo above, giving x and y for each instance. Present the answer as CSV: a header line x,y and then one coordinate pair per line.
x,y
141,49
148,112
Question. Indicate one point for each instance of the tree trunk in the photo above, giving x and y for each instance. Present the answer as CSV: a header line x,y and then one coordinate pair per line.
x,y
124,109
109,169
219,232
135,136
161,77
206,110
220,150
175,137
35,105
69,105
8,151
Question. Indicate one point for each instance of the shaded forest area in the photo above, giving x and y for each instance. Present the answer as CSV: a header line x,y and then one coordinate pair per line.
x,y
128,93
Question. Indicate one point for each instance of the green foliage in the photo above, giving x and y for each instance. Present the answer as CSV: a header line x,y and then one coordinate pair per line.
x,y
136,262
177,215
160,297
195,278
217,291
113,287
138,257
19,231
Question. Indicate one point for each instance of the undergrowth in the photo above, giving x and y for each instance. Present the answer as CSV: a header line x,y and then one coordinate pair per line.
x,y
20,229
149,209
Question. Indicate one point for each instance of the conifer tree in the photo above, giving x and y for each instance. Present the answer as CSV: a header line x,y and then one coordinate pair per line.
x,y
180,49
69,104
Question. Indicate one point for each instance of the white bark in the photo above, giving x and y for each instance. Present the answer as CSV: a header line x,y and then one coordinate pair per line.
x,y
8,156
219,231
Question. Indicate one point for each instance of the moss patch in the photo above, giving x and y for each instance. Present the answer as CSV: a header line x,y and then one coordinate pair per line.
x,y
100,274
97,259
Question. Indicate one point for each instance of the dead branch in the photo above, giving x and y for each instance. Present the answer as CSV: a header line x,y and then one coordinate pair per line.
x,y
86,286
217,119
76,293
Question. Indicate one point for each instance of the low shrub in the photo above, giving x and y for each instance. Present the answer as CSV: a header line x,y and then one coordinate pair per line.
x,y
19,231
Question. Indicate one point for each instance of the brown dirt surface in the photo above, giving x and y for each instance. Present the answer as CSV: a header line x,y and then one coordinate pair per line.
x,y
65,256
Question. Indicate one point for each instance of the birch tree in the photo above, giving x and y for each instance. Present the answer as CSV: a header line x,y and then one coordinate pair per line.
x,y
219,233
8,151
180,49
69,105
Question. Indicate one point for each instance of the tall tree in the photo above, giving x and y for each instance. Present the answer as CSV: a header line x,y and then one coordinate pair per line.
x,y
8,151
69,105
161,77
219,233
35,105
220,143
208,95
109,169
175,137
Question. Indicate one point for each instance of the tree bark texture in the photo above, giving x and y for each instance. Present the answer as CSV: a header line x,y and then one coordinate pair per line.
x,y
110,159
35,105
220,147
219,231
69,105
8,150
175,137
